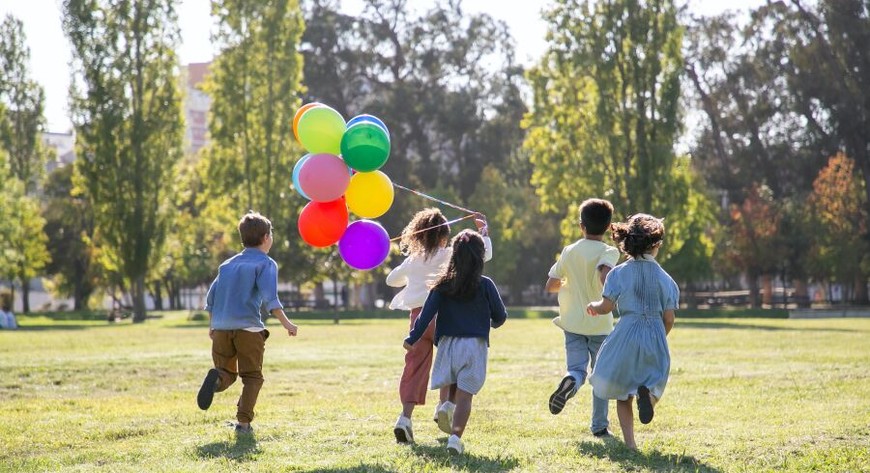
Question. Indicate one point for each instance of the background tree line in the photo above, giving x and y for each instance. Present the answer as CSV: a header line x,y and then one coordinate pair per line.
x,y
748,132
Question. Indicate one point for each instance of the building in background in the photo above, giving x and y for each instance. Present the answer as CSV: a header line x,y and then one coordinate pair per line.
x,y
196,105
63,145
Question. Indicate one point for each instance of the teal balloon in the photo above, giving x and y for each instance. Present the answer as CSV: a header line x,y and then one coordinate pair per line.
x,y
365,146
296,168
320,130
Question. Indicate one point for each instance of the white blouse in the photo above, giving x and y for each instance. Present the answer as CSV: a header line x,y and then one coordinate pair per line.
x,y
416,272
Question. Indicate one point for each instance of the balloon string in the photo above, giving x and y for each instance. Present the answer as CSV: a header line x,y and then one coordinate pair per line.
x,y
436,200
430,228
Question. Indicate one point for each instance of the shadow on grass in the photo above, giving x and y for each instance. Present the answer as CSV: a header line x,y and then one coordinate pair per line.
x,y
355,469
726,325
243,449
465,462
616,451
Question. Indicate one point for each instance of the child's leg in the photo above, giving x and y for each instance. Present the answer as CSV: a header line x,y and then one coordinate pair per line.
x,y
626,422
599,406
415,376
250,347
462,412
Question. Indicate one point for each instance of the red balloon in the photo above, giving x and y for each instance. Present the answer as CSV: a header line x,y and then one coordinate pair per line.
x,y
323,223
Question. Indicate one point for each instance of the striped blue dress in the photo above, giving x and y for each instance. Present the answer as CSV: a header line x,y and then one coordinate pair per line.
x,y
636,352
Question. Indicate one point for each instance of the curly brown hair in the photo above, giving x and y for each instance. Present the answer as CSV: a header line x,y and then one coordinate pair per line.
x,y
425,233
639,234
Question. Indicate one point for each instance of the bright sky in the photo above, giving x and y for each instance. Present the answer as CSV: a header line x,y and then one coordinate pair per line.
x,y
50,51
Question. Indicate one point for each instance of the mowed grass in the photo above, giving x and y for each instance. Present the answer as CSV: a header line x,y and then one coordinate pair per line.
x,y
745,395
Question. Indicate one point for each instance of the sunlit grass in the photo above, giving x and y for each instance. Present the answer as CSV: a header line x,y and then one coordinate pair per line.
x,y
745,395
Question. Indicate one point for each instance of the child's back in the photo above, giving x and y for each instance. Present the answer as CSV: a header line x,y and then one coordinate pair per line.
x,y
578,267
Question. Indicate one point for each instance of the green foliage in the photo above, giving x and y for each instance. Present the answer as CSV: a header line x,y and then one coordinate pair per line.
x,y
69,226
126,110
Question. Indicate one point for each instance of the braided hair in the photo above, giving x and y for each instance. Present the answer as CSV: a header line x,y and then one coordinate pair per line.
x,y
639,234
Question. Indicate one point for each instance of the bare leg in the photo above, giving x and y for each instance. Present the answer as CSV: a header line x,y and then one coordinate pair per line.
x,y
408,409
451,392
443,394
626,422
463,411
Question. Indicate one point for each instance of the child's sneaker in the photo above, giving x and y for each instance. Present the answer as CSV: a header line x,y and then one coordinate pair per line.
x,y
445,417
454,445
563,392
404,432
244,429
435,414
206,391
644,405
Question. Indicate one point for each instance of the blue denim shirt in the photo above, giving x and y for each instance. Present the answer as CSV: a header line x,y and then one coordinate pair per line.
x,y
244,282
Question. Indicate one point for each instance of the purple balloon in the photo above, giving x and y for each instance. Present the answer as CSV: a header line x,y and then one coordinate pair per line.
x,y
364,245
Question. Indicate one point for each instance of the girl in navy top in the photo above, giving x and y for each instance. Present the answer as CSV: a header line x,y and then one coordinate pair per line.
x,y
467,304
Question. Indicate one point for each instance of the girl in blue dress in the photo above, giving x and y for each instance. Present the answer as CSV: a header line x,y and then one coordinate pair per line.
x,y
634,360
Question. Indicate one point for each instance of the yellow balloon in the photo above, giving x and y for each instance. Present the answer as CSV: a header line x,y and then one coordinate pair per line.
x,y
370,194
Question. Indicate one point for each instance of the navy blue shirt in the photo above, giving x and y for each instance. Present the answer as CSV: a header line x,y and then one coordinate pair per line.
x,y
244,282
470,318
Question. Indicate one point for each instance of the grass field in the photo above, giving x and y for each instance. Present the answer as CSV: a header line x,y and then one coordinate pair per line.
x,y
745,395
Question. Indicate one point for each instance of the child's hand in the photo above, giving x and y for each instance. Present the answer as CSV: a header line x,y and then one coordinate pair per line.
x,y
590,309
407,345
480,222
291,328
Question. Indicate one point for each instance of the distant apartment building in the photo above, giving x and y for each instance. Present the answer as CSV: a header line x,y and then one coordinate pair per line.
x,y
196,105
64,146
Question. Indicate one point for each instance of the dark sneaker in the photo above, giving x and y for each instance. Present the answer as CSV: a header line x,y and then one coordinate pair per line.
x,y
244,429
602,433
209,386
564,392
644,405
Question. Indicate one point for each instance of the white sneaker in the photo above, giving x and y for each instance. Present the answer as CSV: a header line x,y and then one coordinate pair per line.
x,y
445,417
404,432
435,414
454,445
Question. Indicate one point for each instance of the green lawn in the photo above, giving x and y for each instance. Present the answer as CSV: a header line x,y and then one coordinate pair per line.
x,y
744,395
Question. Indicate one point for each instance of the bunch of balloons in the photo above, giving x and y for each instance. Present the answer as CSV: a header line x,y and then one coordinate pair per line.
x,y
340,175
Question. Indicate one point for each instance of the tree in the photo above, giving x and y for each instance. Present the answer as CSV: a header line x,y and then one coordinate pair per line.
x,y
70,228
253,84
606,113
126,110
24,99
838,204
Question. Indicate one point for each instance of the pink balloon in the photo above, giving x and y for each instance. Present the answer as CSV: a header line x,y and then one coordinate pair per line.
x,y
324,177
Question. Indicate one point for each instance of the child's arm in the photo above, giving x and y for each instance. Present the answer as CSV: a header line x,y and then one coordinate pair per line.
x,y
603,306
291,328
668,317
483,229
553,285
430,308
398,277
602,272
497,310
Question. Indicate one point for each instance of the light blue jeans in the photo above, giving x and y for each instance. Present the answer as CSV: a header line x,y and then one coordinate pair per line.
x,y
581,352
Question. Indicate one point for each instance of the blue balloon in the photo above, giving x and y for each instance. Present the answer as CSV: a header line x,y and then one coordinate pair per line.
x,y
296,169
371,119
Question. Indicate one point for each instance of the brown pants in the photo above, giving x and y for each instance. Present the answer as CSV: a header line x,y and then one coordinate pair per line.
x,y
418,361
240,353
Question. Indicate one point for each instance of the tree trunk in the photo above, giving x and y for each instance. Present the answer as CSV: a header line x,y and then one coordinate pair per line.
x,y
801,294
767,289
25,296
139,299
754,299
861,290
158,295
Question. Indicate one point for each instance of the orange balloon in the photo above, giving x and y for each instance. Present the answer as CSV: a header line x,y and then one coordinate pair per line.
x,y
298,115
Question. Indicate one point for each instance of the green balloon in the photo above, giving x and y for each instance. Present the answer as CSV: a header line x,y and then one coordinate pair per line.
x,y
365,147
320,130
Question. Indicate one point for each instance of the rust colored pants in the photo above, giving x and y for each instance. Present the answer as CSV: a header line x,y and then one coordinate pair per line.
x,y
239,353
418,362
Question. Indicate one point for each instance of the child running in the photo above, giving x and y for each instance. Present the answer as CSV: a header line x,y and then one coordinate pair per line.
x,y
634,360
424,241
467,304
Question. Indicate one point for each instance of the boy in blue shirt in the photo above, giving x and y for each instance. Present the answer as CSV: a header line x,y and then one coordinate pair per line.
x,y
578,277
244,283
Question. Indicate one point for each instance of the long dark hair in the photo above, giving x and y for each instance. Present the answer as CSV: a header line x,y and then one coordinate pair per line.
x,y
424,233
638,235
461,277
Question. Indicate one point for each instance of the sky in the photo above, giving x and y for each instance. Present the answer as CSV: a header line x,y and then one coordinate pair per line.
x,y
50,51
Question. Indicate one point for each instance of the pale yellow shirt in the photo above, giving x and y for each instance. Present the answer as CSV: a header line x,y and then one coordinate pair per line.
x,y
577,267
